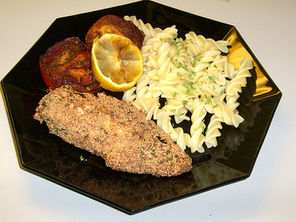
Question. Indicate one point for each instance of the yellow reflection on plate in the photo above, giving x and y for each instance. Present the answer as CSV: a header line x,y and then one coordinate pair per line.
x,y
239,53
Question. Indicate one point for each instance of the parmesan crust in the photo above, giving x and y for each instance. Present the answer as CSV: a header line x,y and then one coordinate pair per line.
x,y
113,129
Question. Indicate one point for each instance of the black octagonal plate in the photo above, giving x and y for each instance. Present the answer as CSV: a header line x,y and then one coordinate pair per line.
x,y
48,156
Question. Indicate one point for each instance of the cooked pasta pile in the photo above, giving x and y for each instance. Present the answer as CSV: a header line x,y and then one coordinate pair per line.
x,y
193,76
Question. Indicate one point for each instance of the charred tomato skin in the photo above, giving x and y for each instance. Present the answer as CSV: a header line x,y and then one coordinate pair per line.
x,y
68,62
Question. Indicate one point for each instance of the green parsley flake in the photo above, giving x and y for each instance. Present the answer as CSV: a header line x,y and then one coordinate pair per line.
x,y
208,100
179,74
189,85
185,102
193,63
212,77
222,92
203,128
82,158
193,73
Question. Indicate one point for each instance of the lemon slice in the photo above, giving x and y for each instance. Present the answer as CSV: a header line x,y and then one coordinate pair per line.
x,y
117,62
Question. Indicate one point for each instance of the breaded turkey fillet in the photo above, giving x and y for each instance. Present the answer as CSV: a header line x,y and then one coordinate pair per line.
x,y
113,129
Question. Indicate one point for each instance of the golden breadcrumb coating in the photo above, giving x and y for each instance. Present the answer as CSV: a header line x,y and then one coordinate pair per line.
x,y
113,129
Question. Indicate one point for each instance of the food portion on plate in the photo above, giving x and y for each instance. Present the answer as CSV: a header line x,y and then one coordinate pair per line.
x,y
68,62
147,64
117,63
113,129
115,25
195,79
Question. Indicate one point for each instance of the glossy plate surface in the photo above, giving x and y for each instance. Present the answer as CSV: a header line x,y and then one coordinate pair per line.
x,y
49,157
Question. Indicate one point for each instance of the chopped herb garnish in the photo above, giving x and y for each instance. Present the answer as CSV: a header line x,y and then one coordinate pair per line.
x,y
193,63
179,74
193,73
222,92
198,54
97,139
179,64
203,128
212,77
85,137
189,85
161,161
208,100
56,130
173,43
185,102
82,159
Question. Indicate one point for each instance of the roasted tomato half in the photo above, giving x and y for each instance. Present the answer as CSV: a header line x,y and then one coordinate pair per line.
x,y
68,62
